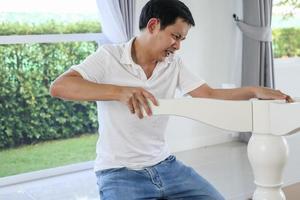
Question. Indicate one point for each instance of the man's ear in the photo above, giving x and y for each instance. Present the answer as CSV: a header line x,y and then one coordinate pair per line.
x,y
153,24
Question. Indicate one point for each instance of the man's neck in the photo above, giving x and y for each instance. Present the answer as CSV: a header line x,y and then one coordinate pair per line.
x,y
141,53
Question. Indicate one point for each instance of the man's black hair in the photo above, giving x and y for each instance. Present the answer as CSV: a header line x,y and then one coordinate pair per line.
x,y
167,11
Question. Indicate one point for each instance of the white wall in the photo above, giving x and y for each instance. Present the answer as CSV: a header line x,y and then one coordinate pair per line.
x,y
213,51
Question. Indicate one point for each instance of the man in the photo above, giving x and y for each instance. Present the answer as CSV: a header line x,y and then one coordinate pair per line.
x,y
133,161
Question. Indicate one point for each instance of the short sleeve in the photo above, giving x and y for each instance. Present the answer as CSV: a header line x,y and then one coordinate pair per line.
x,y
187,80
94,67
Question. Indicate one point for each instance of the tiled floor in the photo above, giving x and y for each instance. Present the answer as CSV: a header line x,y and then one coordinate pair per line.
x,y
75,186
226,166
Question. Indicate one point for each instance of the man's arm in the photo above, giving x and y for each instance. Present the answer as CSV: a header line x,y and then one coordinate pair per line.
x,y
243,93
71,86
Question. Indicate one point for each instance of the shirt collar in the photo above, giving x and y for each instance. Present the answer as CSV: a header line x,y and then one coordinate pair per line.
x,y
126,57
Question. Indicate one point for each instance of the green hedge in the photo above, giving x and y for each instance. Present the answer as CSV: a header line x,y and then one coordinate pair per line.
x,y
286,42
28,113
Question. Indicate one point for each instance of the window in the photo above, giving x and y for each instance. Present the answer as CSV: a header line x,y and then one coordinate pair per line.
x,y
38,41
286,45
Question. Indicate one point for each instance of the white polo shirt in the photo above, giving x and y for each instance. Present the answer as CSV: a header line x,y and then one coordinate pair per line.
x,y
125,140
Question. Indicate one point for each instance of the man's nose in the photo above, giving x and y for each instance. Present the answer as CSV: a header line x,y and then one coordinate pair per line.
x,y
177,44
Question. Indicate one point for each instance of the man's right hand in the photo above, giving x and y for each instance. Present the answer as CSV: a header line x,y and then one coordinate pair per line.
x,y
136,100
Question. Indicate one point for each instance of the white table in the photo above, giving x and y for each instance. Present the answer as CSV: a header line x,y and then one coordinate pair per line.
x,y
269,121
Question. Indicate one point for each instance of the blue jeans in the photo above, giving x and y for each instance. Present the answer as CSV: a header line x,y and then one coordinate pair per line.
x,y
169,179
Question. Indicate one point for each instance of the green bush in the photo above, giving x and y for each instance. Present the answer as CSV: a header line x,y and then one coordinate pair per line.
x,y
286,42
28,113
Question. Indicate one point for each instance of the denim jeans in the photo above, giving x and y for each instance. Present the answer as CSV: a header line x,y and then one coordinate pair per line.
x,y
169,179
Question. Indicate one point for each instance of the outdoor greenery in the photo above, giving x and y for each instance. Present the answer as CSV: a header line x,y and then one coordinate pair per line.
x,y
47,155
28,113
286,42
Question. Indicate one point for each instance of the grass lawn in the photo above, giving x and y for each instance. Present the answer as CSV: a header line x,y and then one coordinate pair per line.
x,y
47,155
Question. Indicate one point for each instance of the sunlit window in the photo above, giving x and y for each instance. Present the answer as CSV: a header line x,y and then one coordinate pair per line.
x,y
286,45
39,40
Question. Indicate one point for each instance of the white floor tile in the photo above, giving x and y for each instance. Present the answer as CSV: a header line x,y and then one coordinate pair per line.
x,y
226,166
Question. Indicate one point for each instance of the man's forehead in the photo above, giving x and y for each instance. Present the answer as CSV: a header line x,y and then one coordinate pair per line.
x,y
180,20
179,26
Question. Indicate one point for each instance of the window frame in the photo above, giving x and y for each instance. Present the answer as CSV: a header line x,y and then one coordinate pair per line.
x,y
100,39
53,38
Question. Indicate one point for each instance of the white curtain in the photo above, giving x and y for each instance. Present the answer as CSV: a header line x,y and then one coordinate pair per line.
x,y
117,19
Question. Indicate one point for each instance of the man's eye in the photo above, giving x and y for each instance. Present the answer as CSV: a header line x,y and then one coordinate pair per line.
x,y
176,37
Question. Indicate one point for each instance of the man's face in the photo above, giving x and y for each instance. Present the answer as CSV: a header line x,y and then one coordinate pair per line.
x,y
167,41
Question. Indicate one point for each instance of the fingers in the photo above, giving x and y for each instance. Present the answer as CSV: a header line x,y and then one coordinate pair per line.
x,y
130,106
289,99
151,97
143,101
285,96
138,101
268,94
136,107
280,95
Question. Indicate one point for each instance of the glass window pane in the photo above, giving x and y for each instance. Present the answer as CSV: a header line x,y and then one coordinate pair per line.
x,y
30,115
286,46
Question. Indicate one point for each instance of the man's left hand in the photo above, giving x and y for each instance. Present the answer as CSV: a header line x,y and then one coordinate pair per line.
x,y
267,93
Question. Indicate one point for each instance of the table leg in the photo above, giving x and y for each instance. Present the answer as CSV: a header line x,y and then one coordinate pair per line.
x,y
268,155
